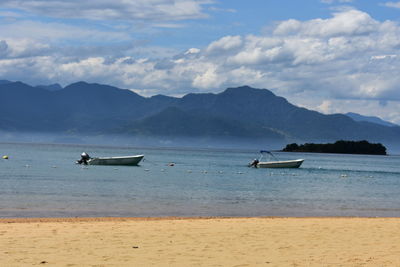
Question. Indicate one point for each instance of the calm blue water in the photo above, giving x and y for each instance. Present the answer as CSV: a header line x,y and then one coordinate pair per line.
x,y
43,181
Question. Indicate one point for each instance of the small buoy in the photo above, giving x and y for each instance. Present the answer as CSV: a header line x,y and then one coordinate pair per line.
x,y
5,157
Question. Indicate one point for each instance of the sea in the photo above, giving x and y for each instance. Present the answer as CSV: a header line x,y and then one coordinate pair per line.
x,y
42,180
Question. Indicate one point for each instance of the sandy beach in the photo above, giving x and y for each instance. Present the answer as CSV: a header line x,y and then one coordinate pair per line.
x,y
200,242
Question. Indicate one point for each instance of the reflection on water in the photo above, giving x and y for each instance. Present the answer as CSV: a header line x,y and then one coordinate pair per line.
x,y
43,181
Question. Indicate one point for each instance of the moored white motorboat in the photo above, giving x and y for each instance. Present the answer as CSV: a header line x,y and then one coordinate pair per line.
x,y
280,164
257,163
126,160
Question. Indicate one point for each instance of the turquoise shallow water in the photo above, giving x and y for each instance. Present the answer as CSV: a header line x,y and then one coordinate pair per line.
x,y
43,181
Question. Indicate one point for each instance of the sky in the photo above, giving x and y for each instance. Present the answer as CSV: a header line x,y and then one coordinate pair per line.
x,y
333,56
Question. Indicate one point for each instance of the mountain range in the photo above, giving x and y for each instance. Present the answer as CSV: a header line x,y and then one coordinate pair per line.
x,y
245,115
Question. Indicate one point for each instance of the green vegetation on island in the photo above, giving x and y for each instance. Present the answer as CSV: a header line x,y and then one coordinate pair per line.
x,y
340,147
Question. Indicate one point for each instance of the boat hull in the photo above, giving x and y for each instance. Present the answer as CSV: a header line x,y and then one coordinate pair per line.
x,y
281,164
128,160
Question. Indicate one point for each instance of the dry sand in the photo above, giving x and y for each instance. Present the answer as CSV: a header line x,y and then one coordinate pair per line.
x,y
200,242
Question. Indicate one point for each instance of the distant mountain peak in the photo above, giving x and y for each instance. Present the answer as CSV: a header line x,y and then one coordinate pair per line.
x,y
372,119
247,90
16,84
79,83
243,87
91,86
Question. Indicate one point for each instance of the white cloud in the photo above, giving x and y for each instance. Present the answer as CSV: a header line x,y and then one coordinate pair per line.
x,y
208,79
9,15
57,32
226,43
382,57
192,51
148,10
288,27
216,9
336,1
392,4
326,107
351,22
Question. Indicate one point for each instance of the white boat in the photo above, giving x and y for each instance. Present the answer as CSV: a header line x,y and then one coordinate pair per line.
x,y
280,164
257,163
127,160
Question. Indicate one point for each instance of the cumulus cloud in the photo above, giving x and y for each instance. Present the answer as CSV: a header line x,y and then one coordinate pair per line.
x,y
352,22
227,43
148,10
208,78
348,62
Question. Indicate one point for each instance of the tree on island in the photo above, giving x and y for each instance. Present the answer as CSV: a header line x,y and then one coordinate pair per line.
x,y
340,147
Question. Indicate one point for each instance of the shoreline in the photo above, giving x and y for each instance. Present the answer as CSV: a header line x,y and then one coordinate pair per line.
x,y
172,218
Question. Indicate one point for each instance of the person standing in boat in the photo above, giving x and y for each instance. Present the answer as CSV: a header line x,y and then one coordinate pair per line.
x,y
84,158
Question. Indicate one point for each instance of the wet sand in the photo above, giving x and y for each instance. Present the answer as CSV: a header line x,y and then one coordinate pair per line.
x,y
200,242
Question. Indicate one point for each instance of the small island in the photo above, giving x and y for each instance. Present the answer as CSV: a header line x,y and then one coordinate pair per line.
x,y
340,147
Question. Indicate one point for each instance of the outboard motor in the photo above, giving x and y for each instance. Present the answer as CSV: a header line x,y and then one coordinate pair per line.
x,y
254,163
84,158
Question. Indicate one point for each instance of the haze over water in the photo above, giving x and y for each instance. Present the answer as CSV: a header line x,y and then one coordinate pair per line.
x,y
43,181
